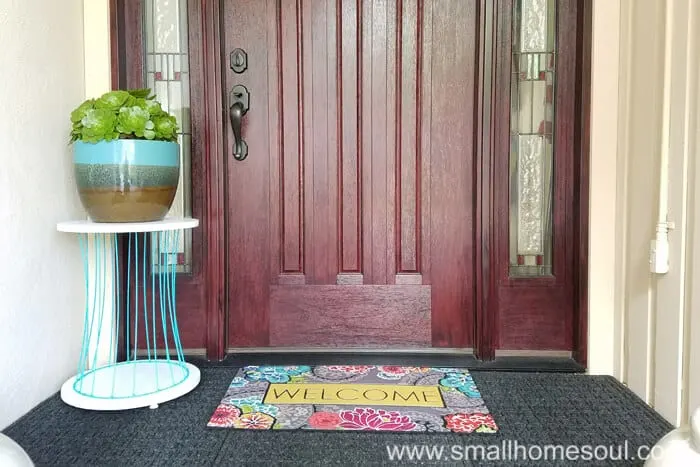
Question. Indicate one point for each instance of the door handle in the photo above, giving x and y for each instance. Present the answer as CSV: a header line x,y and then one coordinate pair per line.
x,y
239,104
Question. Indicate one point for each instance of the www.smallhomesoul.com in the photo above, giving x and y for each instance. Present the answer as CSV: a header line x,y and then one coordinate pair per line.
x,y
510,450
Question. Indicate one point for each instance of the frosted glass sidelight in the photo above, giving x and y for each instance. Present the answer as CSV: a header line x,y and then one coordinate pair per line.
x,y
166,68
532,137
535,23
531,156
533,26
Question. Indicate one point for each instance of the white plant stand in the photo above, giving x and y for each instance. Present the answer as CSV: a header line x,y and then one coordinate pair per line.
x,y
154,370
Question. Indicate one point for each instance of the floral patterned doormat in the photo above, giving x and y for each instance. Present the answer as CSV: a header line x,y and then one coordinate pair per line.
x,y
353,398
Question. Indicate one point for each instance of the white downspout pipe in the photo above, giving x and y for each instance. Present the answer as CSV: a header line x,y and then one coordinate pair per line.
x,y
660,247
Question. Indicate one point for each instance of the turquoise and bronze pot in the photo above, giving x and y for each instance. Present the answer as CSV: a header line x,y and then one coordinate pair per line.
x,y
127,180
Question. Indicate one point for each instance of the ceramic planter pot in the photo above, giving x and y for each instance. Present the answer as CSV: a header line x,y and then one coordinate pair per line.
x,y
127,180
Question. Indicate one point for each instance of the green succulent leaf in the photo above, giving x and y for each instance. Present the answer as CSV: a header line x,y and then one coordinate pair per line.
x,y
154,108
113,100
140,102
165,127
133,114
97,124
130,101
140,93
78,114
133,120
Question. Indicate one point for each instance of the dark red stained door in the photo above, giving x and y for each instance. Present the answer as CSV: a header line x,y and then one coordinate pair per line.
x,y
351,221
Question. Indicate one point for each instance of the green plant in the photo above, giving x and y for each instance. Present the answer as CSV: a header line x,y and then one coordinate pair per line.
x,y
129,114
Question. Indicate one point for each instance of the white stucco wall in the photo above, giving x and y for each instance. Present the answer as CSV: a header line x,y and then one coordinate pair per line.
x,y
41,282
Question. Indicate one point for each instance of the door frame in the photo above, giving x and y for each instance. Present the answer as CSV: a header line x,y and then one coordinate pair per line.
x,y
493,101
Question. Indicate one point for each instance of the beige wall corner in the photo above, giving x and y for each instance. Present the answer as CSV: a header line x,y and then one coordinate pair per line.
x,y
690,391
97,47
658,145
672,293
603,321
691,350
643,51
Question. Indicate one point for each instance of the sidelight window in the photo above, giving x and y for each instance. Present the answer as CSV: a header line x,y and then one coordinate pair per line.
x,y
532,137
166,73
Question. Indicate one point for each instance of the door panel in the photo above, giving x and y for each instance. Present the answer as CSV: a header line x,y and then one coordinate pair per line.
x,y
351,221
381,316
451,162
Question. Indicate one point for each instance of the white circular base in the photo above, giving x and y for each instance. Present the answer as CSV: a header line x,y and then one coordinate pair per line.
x,y
131,385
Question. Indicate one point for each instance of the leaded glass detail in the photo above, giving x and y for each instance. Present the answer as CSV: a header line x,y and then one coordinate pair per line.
x,y
167,74
532,137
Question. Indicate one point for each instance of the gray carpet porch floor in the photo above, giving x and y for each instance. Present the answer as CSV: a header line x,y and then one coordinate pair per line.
x,y
532,409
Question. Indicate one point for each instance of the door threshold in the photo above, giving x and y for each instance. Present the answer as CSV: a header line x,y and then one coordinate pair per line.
x,y
458,358
351,350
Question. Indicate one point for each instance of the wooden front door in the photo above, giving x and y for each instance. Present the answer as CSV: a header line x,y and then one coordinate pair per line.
x,y
416,172
351,221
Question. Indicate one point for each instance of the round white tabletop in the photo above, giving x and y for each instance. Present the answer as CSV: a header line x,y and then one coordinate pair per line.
x,y
88,226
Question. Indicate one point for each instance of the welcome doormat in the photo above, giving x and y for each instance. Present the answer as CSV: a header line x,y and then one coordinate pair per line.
x,y
354,398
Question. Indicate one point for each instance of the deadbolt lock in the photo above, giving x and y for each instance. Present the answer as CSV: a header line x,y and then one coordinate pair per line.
x,y
239,61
